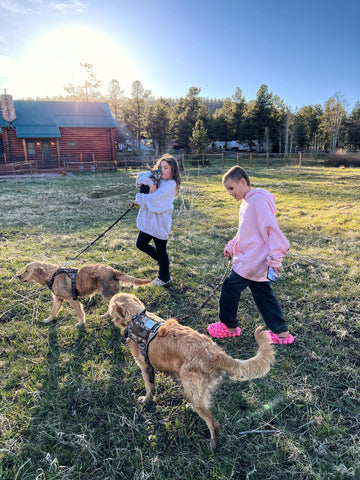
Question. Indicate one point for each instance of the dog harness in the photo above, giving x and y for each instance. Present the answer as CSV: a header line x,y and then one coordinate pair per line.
x,y
142,331
71,273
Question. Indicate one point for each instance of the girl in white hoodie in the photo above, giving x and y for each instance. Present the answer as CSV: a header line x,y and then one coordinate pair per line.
x,y
154,218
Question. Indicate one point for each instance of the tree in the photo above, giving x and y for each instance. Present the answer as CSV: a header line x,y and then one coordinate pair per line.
x,y
238,112
224,122
353,127
89,91
262,115
307,126
115,98
199,139
134,111
228,119
185,114
278,122
249,128
332,119
157,124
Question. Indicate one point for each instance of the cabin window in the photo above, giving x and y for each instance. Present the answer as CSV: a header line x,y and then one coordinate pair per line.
x,y
31,149
72,144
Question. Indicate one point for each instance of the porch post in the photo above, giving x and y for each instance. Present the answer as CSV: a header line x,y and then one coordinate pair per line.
x,y
25,150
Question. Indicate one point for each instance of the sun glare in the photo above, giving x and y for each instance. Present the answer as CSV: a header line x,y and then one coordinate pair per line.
x,y
52,61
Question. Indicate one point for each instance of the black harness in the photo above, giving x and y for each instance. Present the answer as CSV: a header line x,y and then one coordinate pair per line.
x,y
71,273
142,331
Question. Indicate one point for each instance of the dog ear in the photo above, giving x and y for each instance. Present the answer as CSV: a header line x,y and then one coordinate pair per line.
x,y
120,310
138,301
41,272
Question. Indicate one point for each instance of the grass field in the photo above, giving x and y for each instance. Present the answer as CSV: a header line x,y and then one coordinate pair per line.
x,y
68,397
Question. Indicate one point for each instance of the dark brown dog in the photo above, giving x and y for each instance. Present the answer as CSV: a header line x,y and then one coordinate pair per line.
x,y
90,279
192,357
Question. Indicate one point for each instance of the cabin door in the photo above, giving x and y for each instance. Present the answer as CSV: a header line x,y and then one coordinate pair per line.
x,y
46,151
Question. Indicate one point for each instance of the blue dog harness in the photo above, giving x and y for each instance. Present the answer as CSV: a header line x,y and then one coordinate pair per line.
x,y
142,331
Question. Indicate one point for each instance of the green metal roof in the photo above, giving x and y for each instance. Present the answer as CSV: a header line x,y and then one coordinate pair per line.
x,y
36,131
43,119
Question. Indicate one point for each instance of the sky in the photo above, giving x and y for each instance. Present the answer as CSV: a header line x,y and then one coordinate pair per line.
x,y
305,51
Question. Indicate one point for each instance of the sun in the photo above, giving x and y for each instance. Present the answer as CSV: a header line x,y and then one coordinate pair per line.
x,y
52,61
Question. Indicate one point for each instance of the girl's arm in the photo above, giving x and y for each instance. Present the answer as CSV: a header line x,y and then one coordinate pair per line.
x,y
229,250
272,235
159,201
144,178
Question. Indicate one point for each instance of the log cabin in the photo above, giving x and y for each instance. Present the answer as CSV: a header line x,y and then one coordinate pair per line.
x,y
53,135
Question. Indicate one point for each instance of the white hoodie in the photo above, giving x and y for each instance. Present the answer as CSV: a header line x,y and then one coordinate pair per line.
x,y
154,216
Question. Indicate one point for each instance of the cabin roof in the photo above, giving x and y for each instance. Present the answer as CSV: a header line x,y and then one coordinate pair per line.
x,y
43,119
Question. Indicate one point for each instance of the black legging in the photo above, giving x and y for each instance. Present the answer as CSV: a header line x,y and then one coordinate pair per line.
x,y
158,253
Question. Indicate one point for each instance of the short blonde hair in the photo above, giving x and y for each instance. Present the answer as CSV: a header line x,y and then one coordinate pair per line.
x,y
236,173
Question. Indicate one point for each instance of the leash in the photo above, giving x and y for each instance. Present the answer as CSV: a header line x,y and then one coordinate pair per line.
x,y
98,238
213,291
216,286
78,255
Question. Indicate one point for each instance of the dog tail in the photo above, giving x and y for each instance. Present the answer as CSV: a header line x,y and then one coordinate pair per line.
x,y
255,367
129,280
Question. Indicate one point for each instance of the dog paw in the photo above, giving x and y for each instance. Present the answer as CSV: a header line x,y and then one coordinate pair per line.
x,y
48,320
80,324
145,399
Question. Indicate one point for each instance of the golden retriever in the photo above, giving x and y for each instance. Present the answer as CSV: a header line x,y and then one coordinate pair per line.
x,y
195,359
89,279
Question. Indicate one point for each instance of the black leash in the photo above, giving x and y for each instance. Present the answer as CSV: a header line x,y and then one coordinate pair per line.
x,y
213,291
96,239
217,286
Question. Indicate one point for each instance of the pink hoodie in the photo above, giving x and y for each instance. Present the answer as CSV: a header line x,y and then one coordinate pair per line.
x,y
259,241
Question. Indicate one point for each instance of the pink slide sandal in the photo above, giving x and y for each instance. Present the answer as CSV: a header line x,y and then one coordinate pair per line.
x,y
220,330
276,339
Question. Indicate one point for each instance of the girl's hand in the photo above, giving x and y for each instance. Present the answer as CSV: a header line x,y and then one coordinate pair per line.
x,y
136,204
227,254
152,188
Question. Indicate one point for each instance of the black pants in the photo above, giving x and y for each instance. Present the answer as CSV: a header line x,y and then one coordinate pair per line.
x,y
264,297
158,253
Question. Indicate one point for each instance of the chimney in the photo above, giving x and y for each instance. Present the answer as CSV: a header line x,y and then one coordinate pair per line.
x,y
7,108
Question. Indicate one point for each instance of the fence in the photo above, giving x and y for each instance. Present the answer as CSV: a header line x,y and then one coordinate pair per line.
x,y
83,162
246,160
206,161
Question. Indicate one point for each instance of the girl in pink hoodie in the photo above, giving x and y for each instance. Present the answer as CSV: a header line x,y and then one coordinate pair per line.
x,y
258,245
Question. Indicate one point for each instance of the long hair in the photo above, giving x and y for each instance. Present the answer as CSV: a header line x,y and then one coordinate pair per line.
x,y
173,163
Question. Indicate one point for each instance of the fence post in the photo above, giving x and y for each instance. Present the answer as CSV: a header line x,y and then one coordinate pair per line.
x,y
237,158
203,160
222,160
300,159
250,159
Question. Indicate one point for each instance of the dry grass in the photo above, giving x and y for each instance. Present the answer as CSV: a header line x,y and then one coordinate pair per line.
x,y
68,398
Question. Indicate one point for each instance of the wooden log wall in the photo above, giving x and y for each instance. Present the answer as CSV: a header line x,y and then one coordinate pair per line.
x,y
88,141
